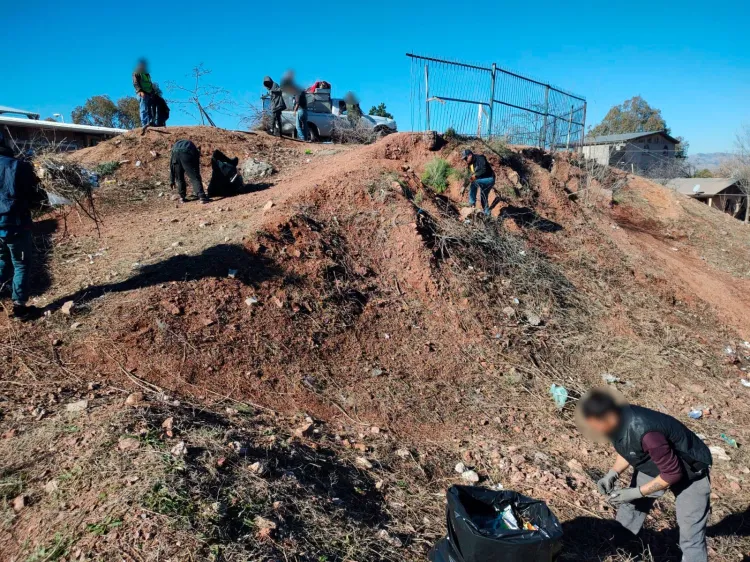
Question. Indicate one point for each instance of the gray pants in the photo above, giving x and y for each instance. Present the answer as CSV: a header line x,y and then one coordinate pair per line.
x,y
692,503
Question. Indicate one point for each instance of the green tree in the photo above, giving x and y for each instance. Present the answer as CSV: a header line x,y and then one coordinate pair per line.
x,y
101,111
380,111
633,116
98,110
129,112
704,173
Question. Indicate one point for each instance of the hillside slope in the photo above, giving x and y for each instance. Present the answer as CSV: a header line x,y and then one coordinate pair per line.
x,y
310,371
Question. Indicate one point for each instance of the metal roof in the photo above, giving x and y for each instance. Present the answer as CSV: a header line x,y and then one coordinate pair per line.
x,y
623,137
33,123
29,114
697,187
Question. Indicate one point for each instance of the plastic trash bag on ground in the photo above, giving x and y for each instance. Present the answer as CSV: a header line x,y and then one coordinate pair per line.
x,y
492,526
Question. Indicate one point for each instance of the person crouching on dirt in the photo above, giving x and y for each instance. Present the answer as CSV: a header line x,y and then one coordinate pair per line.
x,y
664,455
144,89
186,160
482,178
19,194
277,104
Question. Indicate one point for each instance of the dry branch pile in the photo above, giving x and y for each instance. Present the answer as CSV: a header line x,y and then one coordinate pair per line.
x,y
68,185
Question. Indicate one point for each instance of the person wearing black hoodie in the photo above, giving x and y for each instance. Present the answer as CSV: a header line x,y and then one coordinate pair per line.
x,y
20,192
186,160
482,177
277,103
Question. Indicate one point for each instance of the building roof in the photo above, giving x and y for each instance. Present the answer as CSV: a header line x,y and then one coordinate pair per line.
x,y
701,187
624,137
29,114
53,125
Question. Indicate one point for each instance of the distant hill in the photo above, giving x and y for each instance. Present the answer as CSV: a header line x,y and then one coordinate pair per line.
x,y
710,160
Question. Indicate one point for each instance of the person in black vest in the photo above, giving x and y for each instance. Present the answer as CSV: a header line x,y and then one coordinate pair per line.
x,y
186,160
664,455
482,177
20,192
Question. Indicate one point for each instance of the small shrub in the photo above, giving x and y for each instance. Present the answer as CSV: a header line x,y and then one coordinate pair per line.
x,y
450,134
107,168
436,174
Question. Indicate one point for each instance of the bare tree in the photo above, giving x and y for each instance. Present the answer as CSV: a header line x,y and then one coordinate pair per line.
x,y
738,166
202,99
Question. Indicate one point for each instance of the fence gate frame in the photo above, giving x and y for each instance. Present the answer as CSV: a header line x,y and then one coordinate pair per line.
x,y
520,109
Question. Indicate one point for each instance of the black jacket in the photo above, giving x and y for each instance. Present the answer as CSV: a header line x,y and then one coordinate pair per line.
x,y
19,192
179,148
482,168
277,100
637,422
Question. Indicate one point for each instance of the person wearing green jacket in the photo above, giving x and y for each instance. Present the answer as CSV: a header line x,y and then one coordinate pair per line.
x,y
144,89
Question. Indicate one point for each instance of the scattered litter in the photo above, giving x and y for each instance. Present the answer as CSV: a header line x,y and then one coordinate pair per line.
x,y
559,395
746,344
516,301
376,372
460,468
532,318
137,163
522,253
250,301
729,440
232,273
745,383
719,453
179,450
610,379
695,414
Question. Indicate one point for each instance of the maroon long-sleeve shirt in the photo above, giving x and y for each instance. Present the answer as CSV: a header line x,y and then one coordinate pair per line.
x,y
660,451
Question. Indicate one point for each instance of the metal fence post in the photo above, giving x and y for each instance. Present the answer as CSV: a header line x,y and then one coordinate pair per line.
x,y
427,94
492,100
583,127
570,124
543,132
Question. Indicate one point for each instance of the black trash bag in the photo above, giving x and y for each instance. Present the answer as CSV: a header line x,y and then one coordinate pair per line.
x,y
477,533
225,180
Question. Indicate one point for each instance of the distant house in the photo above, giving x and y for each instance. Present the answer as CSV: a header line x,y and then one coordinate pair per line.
x,y
722,193
634,152
30,133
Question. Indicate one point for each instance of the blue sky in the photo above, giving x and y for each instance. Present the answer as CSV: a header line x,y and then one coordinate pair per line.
x,y
690,58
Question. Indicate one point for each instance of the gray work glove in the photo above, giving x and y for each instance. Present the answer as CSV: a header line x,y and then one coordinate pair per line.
x,y
626,495
606,485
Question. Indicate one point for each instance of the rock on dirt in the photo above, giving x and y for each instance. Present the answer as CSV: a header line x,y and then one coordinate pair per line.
x,y
51,487
384,535
171,308
252,169
67,308
460,468
258,468
363,462
305,430
470,476
532,318
431,140
509,311
19,502
134,399
268,205
78,406
179,450
265,527
128,444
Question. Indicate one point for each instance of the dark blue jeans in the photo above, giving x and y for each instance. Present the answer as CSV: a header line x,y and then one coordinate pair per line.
x,y
146,104
302,124
15,263
484,185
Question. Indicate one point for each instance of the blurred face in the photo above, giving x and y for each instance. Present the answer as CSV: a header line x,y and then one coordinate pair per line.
x,y
142,67
605,425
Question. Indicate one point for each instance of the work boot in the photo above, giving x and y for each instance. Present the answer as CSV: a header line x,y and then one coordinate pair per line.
x,y
24,312
143,130
183,200
205,201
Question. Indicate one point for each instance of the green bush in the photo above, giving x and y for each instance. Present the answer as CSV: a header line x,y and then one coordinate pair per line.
x,y
107,168
436,174
450,134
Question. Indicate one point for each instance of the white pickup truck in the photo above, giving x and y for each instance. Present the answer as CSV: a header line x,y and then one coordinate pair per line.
x,y
323,117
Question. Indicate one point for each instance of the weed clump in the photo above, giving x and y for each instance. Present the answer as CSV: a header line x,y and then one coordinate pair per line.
x,y
436,174
107,168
